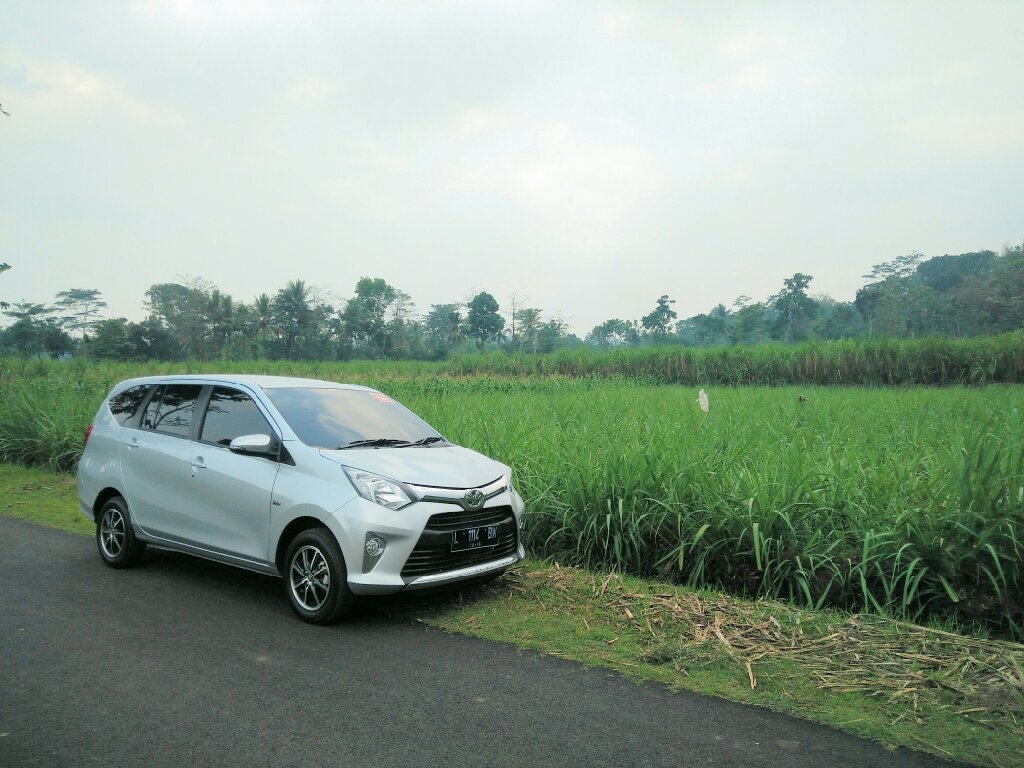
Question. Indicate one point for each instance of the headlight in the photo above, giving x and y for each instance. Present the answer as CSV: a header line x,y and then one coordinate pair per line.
x,y
379,489
508,484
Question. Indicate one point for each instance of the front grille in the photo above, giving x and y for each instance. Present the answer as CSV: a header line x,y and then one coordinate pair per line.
x,y
433,552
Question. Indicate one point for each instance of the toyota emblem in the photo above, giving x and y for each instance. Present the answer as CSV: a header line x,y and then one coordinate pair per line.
x,y
473,499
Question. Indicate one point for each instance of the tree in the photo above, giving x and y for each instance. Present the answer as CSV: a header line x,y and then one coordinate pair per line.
x,y
795,309
3,268
885,302
220,322
529,325
151,341
1007,296
748,324
445,329
551,336
35,332
181,310
365,317
111,340
293,316
945,273
711,329
79,306
837,319
614,333
483,321
658,321
263,323
401,328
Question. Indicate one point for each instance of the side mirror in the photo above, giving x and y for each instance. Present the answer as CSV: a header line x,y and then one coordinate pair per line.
x,y
253,445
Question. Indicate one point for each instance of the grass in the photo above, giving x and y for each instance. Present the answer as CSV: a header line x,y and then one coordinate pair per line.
x,y
47,498
935,361
903,503
902,685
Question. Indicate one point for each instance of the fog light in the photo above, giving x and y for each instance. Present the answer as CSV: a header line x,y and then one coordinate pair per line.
x,y
372,550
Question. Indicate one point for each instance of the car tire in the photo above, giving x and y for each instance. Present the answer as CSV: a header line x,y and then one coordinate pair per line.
x,y
315,578
115,537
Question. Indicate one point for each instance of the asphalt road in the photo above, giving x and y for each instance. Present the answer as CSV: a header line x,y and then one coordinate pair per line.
x,y
183,662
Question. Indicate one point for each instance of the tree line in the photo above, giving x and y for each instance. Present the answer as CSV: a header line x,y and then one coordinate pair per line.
x,y
969,294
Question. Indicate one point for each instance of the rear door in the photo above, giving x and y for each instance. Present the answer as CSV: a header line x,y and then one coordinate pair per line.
x,y
156,460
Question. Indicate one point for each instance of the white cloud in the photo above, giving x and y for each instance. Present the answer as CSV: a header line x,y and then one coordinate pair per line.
x,y
588,185
312,89
60,86
616,24
474,122
967,133
758,62
227,13
753,46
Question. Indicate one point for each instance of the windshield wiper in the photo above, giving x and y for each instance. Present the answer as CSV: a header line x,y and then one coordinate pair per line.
x,y
374,442
425,441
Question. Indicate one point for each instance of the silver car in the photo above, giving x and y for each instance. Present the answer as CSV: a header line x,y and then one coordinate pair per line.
x,y
336,488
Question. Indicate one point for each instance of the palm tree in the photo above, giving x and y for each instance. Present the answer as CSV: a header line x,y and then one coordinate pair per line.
x,y
263,322
293,315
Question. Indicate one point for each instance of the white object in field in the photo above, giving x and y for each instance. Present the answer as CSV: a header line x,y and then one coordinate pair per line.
x,y
702,398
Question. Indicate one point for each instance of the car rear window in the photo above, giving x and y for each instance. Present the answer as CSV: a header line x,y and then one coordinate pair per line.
x,y
125,404
333,418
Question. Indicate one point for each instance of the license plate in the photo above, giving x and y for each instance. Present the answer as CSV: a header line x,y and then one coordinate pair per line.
x,y
474,538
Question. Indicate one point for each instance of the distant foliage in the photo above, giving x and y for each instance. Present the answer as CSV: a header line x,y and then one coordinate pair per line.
x,y
935,361
963,296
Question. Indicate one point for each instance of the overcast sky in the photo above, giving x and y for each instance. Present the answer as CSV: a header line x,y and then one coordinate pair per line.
x,y
586,157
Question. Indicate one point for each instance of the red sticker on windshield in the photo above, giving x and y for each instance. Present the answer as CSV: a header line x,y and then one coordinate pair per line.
x,y
382,398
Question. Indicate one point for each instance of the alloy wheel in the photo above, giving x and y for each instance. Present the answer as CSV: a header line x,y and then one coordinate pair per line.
x,y
310,578
112,532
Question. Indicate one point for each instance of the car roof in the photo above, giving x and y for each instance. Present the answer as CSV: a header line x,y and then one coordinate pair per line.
x,y
262,382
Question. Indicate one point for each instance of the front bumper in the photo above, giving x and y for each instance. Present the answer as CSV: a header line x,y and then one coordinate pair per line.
x,y
418,552
450,577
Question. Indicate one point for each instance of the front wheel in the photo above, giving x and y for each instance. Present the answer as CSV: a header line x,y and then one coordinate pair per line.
x,y
115,537
315,578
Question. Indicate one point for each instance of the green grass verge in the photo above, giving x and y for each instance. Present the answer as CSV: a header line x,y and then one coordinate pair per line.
x,y
901,685
43,497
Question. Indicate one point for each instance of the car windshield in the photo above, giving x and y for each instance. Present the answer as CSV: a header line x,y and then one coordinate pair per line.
x,y
336,418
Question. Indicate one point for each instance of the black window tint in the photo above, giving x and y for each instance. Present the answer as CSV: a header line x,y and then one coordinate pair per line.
x,y
177,406
232,414
149,417
124,405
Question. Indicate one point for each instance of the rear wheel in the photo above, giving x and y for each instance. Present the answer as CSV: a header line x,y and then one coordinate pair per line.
x,y
315,578
115,537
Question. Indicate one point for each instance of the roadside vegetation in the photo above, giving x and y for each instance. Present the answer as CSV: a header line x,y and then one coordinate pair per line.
x,y
903,503
903,685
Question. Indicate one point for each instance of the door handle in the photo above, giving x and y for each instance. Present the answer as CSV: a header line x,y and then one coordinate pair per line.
x,y
133,443
197,464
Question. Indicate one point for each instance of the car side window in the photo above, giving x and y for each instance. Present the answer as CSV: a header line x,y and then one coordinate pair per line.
x,y
149,415
125,404
173,414
231,414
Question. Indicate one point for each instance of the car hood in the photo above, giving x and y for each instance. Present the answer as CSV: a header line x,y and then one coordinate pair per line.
x,y
439,467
